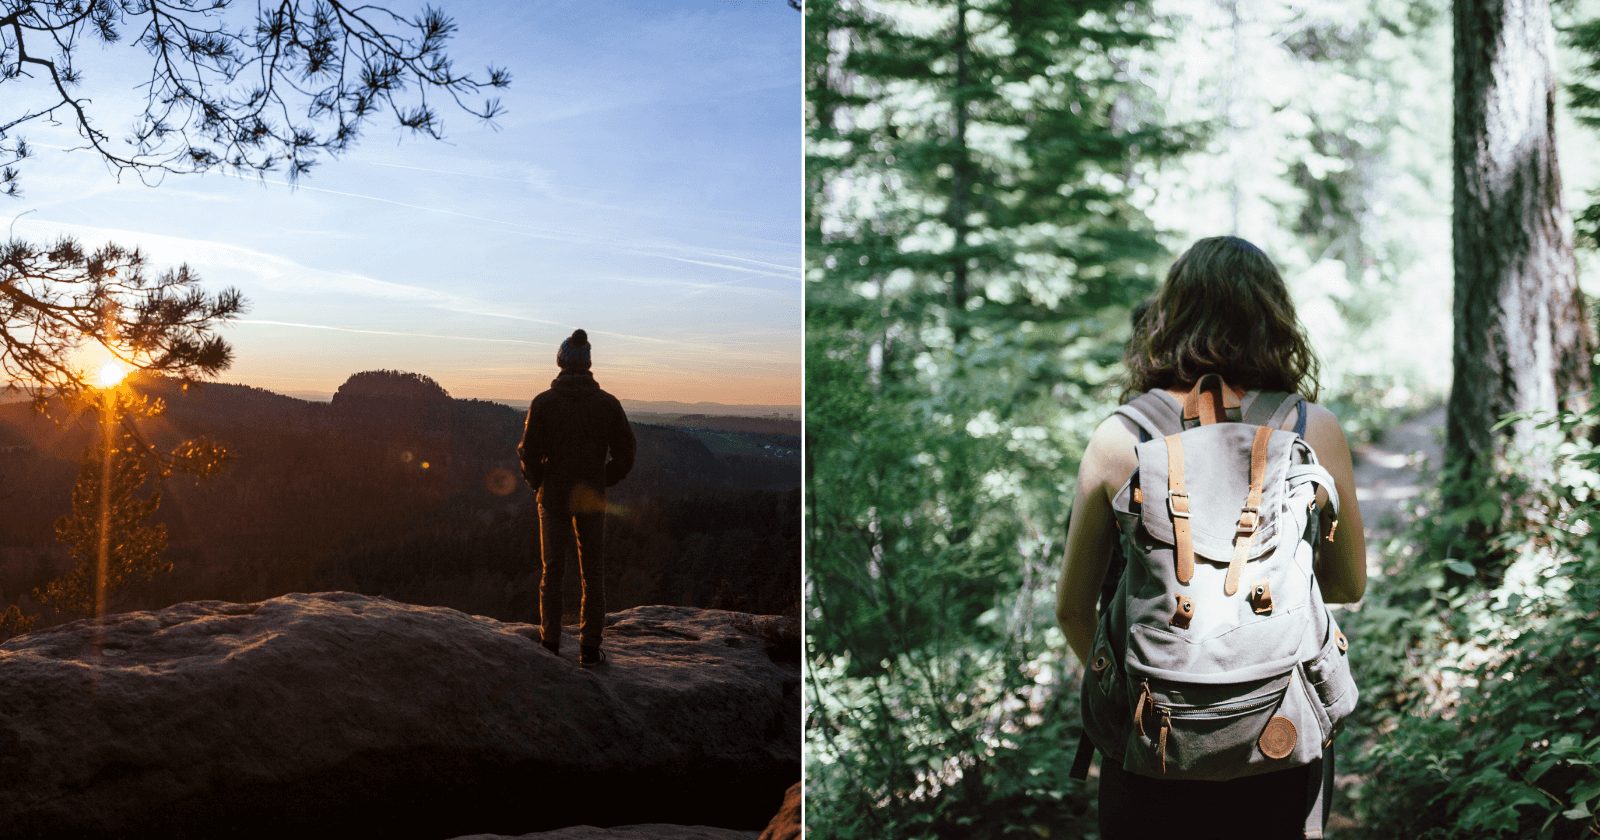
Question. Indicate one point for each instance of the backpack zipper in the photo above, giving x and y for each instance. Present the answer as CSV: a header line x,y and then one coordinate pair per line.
x,y
1221,710
1161,743
1165,713
1145,697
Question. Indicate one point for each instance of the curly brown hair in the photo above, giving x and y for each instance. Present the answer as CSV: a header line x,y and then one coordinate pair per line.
x,y
1223,309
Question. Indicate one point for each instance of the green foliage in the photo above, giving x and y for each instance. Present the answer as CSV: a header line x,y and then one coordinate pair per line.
x,y
109,533
979,230
1328,124
1583,37
1480,690
942,345
14,622
978,238
964,745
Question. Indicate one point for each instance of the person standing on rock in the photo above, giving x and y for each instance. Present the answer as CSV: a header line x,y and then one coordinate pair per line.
x,y
577,442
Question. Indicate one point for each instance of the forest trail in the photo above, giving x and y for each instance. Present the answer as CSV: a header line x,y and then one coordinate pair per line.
x,y
1390,473
1394,470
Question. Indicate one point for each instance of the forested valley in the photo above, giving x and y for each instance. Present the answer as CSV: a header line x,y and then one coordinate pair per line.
x,y
396,489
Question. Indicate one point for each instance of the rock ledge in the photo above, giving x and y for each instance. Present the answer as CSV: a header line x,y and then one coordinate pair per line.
x,y
314,714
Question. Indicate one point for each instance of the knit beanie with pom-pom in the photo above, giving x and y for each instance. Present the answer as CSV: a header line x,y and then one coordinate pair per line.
x,y
574,352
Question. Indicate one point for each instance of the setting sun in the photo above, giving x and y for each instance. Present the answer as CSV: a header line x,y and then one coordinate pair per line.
x,y
111,374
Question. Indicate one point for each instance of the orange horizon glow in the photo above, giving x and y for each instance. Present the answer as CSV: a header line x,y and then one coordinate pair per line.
x,y
777,394
731,389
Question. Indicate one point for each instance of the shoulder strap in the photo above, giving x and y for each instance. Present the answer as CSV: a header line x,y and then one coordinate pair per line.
x,y
1269,408
1223,404
1156,414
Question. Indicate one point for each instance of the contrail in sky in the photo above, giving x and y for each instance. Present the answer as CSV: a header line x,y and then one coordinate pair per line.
x,y
557,235
398,333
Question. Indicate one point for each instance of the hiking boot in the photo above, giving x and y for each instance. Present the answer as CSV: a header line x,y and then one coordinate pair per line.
x,y
591,655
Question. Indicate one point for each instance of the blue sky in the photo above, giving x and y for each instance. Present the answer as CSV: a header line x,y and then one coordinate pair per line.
x,y
644,184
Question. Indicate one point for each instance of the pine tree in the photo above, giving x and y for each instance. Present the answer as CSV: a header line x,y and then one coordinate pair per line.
x,y
1584,90
109,532
976,237
974,166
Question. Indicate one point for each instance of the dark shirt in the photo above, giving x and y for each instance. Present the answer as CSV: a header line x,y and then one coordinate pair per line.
x,y
571,429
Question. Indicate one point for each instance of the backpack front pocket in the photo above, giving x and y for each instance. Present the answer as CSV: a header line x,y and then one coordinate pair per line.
x,y
1331,682
1105,698
1218,732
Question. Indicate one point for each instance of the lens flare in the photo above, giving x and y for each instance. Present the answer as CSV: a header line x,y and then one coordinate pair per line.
x,y
501,481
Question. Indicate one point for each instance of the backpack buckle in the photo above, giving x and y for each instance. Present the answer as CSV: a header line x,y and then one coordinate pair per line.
x,y
1249,519
1173,507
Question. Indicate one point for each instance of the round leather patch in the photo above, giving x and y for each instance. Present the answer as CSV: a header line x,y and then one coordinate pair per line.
x,y
1277,740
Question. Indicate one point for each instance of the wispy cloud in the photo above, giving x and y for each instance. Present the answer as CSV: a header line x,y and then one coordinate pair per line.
x,y
398,333
710,258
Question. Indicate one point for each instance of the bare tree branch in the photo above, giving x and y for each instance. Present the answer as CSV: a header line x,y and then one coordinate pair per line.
x,y
275,89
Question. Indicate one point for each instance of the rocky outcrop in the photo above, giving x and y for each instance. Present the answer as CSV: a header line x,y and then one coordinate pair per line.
x,y
656,831
786,824
316,715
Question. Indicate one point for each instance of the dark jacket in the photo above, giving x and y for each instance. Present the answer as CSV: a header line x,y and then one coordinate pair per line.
x,y
570,430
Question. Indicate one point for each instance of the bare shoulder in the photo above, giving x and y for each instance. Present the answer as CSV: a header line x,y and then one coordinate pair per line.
x,y
1109,458
1325,434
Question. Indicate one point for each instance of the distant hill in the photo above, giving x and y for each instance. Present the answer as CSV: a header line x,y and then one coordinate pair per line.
x,y
394,488
766,425
669,407
660,407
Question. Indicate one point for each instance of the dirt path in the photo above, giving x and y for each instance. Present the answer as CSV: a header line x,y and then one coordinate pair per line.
x,y
1394,470
1390,474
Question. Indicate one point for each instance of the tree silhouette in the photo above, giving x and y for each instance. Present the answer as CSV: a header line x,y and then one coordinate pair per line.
x,y
108,533
271,90
264,92
54,299
268,91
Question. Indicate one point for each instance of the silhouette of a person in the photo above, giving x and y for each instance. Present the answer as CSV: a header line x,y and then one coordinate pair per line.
x,y
571,429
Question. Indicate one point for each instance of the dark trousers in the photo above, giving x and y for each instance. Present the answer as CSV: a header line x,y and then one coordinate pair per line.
x,y
1271,806
572,525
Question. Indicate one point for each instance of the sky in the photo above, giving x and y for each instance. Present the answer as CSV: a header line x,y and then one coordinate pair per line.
x,y
643,184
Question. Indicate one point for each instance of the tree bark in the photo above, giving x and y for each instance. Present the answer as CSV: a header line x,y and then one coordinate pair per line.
x,y
961,178
1522,339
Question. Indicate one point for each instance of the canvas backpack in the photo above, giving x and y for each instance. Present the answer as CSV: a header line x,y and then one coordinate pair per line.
x,y
1215,657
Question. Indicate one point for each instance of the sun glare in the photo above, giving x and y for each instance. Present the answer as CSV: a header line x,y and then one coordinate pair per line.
x,y
111,374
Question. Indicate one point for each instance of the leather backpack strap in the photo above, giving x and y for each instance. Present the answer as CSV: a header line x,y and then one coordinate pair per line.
x,y
1196,406
1178,507
1250,515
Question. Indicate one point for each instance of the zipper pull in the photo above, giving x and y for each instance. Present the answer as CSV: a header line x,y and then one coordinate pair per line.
x,y
1138,709
1332,529
1161,745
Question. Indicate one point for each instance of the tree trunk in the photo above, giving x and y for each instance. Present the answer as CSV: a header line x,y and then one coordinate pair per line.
x,y
961,180
1522,339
